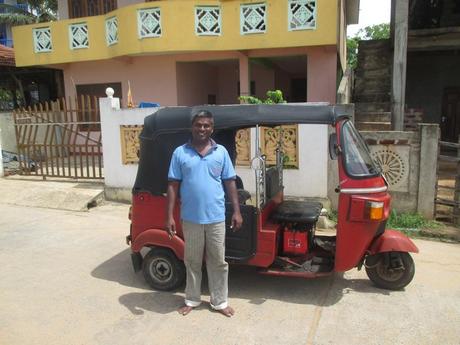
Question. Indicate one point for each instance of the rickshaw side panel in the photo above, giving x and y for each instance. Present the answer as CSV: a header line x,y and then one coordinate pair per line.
x,y
355,233
149,212
392,241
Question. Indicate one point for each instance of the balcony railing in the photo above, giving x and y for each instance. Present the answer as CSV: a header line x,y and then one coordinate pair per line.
x,y
166,26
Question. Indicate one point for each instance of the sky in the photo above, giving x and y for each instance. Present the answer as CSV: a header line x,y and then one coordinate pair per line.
x,y
371,12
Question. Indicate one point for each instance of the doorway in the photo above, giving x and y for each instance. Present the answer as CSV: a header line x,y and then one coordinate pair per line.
x,y
450,118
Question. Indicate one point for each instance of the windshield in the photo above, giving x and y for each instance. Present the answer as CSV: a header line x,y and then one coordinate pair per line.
x,y
357,158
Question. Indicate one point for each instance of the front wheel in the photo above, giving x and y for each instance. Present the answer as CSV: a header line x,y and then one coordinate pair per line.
x,y
162,270
392,270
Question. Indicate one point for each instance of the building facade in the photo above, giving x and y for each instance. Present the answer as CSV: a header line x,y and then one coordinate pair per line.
x,y
188,52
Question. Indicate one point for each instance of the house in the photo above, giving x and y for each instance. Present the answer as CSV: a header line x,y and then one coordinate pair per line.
x,y
415,75
186,52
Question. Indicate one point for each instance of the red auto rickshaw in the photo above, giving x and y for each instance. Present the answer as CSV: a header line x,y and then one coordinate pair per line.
x,y
278,236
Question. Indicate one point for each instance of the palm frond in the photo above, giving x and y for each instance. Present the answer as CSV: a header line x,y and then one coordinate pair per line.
x,y
16,19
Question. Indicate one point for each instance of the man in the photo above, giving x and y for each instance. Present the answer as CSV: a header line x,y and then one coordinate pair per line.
x,y
198,169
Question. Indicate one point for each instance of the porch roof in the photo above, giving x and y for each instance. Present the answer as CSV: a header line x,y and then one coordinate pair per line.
x,y
178,119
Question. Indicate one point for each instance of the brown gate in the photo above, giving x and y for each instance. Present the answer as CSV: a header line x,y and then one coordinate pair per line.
x,y
447,203
60,139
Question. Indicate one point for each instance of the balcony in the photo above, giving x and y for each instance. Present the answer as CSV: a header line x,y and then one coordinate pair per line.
x,y
179,26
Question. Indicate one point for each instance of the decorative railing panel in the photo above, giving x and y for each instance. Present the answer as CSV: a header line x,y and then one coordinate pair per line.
x,y
302,14
253,18
130,143
243,147
42,40
149,22
208,21
270,138
111,30
78,36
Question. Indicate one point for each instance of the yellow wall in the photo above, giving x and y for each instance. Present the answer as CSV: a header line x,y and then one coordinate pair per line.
x,y
178,33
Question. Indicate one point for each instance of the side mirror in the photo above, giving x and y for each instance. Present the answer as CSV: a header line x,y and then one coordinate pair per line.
x,y
334,148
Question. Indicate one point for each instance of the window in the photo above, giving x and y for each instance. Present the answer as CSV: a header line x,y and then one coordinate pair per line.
x,y
87,8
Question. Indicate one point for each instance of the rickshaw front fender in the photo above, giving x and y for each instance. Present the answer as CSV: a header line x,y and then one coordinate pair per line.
x,y
392,241
160,238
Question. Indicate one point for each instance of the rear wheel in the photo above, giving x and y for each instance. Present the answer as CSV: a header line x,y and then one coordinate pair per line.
x,y
392,270
162,270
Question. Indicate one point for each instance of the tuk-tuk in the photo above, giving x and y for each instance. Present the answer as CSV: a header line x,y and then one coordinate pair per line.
x,y
278,235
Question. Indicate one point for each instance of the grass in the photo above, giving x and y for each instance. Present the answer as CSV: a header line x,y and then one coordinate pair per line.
x,y
410,221
401,221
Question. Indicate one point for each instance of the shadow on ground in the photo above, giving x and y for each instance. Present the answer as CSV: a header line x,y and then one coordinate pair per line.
x,y
244,283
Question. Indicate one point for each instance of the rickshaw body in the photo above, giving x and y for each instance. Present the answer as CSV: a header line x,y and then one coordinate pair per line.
x,y
278,234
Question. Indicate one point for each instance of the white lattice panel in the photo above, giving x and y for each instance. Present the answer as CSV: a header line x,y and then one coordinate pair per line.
x,y
78,36
253,18
42,40
394,161
302,14
207,21
111,30
149,22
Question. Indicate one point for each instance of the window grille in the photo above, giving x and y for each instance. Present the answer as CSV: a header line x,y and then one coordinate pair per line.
x,y
302,14
149,22
111,30
207,21
78,36
42,40
253,18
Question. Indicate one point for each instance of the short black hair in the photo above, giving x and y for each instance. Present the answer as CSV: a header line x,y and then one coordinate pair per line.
x,y
203,114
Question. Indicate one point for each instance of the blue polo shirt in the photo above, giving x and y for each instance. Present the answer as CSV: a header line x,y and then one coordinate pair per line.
x,y
201,191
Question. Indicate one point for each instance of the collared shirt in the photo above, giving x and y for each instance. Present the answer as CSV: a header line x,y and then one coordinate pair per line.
x,y
201,192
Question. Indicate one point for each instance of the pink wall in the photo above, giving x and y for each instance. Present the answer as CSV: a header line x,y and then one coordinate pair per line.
x,y
227,79
195,81
152,78
264,78
155,79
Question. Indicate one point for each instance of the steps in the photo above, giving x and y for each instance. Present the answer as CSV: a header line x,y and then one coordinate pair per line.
x,y
372,88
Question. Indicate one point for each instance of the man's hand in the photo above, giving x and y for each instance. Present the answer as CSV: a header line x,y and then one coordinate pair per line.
x,y
237,221
171,227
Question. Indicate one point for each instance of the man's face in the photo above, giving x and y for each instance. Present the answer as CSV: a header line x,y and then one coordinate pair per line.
x,y
202,128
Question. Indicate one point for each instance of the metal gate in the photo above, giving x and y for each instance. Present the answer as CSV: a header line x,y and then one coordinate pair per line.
x,y
447,203
60,139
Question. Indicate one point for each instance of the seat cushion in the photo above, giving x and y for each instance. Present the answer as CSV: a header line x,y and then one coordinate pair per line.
x,y
298,211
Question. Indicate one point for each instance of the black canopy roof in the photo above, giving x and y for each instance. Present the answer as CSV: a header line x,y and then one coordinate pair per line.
x,y
170,127
178,119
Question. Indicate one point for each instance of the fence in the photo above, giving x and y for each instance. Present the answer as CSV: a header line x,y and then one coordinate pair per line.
x,y
60,139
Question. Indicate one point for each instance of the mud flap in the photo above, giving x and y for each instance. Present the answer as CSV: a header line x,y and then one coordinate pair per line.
x,y
136,259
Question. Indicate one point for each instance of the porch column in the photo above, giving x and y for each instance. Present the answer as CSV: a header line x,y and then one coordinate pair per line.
x,y
398,92
244,75
321,74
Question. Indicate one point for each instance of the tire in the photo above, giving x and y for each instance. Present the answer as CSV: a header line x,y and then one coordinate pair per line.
x,y
379,272
162,270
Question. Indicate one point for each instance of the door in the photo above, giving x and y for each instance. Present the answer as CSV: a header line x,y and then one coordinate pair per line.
x,y
450,118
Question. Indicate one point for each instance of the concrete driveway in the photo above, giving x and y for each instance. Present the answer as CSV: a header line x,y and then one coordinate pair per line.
x,y
66,278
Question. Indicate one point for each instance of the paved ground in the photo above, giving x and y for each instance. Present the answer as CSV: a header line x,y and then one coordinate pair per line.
x,y
66,278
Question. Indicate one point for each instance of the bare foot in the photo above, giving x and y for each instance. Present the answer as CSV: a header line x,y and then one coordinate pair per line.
x,y
184,310
228,312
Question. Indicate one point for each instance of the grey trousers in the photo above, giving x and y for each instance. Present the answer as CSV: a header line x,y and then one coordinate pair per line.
x,y
209,238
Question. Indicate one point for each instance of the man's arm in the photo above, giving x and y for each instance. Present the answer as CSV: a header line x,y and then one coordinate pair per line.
x,y
237,220
173,189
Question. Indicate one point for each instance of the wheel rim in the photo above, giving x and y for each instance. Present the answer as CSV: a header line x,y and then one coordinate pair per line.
x,y
388,274
161,270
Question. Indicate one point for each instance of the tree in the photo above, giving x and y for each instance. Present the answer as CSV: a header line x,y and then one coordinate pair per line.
x,y
372,32
273,97
28,12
